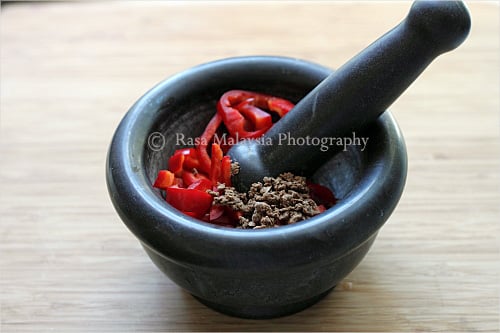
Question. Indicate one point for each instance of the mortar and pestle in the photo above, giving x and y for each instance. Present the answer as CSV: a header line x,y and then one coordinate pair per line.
x,y
274,272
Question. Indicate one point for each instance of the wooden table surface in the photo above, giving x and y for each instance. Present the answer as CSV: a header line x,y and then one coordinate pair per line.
x,y
69,72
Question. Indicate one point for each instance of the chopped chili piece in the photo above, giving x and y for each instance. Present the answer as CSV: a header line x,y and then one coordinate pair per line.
x,y
243,112
189,177
183,159
202,184
225,174
191,160
216,163
205,138
321,208
165,179
188,200
279,105
259,119
175,164
178,182
216,211
321,194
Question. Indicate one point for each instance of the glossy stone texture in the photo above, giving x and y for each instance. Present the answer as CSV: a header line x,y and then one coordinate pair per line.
x,y
251,273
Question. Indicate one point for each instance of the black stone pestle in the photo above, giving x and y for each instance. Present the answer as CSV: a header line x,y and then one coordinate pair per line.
x,y
356,94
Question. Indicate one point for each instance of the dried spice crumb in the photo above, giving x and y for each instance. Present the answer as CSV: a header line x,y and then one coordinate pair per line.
x,y
235,168
232,199
271,203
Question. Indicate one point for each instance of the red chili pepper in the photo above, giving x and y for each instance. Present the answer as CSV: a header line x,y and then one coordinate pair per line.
x,y
190,201
216,211
321,208
191,160
185,158
279,105
233,215
224,221
164,179
224,216
225,174
203,141
202,184
178,182
260,119
189,177
175,164
242,112
321,195
184,151
216,163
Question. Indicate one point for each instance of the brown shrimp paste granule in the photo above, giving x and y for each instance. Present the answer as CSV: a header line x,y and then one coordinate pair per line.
x,y
273,202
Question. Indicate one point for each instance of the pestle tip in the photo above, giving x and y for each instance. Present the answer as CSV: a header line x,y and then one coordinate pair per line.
x,y
446,23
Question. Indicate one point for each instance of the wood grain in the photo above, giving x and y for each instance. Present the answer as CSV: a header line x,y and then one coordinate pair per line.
x,y
69,71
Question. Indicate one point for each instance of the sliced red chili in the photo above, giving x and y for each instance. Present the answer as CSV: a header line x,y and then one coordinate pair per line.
x,y
191,160
321,195
192,214
184,151
259,119
164,179
224,216
279,105
234,215
189,177
175,164
201,184
204,140
236,124
185,158
216,163
216,212
321,208
243,112
225,174
226,141
224,221
178,182
188,200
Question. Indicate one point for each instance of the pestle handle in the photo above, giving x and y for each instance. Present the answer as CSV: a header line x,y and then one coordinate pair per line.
x,y
357,93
